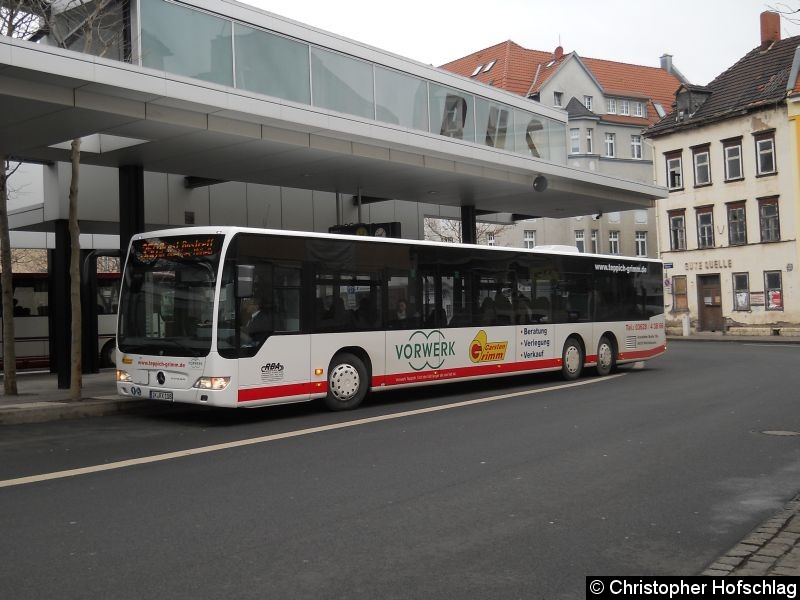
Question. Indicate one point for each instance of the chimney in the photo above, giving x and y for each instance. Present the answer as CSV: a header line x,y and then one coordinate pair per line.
x,y
770,28
666,62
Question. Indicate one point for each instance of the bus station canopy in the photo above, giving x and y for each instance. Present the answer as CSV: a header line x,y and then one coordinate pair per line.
x,y
129,115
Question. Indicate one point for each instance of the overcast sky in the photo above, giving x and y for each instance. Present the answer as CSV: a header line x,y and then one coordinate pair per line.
x,y
705,37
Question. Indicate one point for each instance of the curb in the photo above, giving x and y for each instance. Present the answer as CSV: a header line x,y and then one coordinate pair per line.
x,y
41,412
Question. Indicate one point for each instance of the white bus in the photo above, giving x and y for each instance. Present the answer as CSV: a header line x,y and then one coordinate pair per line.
x,y
232,316
32,319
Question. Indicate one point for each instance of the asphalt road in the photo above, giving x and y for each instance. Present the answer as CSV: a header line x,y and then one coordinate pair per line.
x,y
656,471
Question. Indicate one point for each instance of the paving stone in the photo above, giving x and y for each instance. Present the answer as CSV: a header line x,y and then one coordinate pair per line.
x,y
774,549
734,561
743,550
763,559
785,572
749,572
723,566
715,573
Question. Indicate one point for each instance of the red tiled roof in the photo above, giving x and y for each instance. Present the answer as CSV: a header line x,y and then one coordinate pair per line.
x,y
514,70
523,71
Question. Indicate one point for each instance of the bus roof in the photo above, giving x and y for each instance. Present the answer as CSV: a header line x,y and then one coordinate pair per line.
x,y
229,230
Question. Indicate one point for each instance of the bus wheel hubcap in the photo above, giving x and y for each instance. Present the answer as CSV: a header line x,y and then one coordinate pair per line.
x,y
572,359
604,355
344,382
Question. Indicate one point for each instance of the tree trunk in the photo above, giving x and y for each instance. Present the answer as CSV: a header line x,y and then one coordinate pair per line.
x,y
9,348
75,275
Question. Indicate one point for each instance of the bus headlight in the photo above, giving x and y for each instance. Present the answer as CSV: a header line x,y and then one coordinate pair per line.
x,y
124,376
212,383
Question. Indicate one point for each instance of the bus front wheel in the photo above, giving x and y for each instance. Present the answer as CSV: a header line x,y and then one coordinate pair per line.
x,y
606,359
572,359
347,382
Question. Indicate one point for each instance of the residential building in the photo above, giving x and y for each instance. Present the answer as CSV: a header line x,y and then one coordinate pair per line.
x,y
609,104
728,229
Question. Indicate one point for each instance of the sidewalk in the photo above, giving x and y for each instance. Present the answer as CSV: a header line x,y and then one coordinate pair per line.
x,y
40,400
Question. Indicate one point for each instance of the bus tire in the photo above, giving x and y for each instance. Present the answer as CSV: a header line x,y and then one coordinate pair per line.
x,y
347,382
108,354
606,356
572,359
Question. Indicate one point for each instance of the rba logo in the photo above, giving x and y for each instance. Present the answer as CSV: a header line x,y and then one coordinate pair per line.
x,y
482,350
425,350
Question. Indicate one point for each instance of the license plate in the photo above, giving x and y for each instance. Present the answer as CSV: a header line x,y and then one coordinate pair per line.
x,y
156,395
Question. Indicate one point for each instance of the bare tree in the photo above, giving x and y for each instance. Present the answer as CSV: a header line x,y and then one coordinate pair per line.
x,y
94,27
449,230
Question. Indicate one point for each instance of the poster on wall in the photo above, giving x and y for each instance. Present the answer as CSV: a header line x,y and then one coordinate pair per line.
x,y
775,300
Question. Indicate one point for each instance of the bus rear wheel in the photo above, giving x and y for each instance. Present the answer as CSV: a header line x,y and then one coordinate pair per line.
x,y
572,359
606,358
108,354
347,382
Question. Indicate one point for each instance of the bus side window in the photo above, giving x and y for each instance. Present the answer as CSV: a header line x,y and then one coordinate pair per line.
x,y
286,298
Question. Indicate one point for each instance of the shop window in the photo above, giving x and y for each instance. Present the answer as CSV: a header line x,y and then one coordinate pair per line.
x,y
741,291
773,290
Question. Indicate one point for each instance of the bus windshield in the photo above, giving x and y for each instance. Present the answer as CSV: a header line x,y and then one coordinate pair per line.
x,y
168,295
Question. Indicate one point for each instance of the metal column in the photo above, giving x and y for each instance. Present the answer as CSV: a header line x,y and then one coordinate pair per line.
x,y
131,205
469,225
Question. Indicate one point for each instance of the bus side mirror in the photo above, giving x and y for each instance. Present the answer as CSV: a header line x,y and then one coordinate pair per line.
x,y
244,280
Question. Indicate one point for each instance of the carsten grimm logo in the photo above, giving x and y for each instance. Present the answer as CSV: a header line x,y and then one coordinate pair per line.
x,y
482,350
425,350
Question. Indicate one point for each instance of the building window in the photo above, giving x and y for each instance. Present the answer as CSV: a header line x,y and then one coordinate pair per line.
x,y
737,224
680,299
589,141
677,230
674,172
529,238
477,70
595,249
638,109
612,106
765,153
705,227
557,98
769,218
624,107
488,67
773,290
636,146
741,291
733,159
575,141
702,166
613,242
588,101
641,243
580,240
610,144
490,240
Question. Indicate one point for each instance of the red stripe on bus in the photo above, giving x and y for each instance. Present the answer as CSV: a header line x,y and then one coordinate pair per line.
x,y
280,391
643,353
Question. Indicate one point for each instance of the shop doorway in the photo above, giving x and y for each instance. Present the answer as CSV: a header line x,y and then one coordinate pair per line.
x,y
709,302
